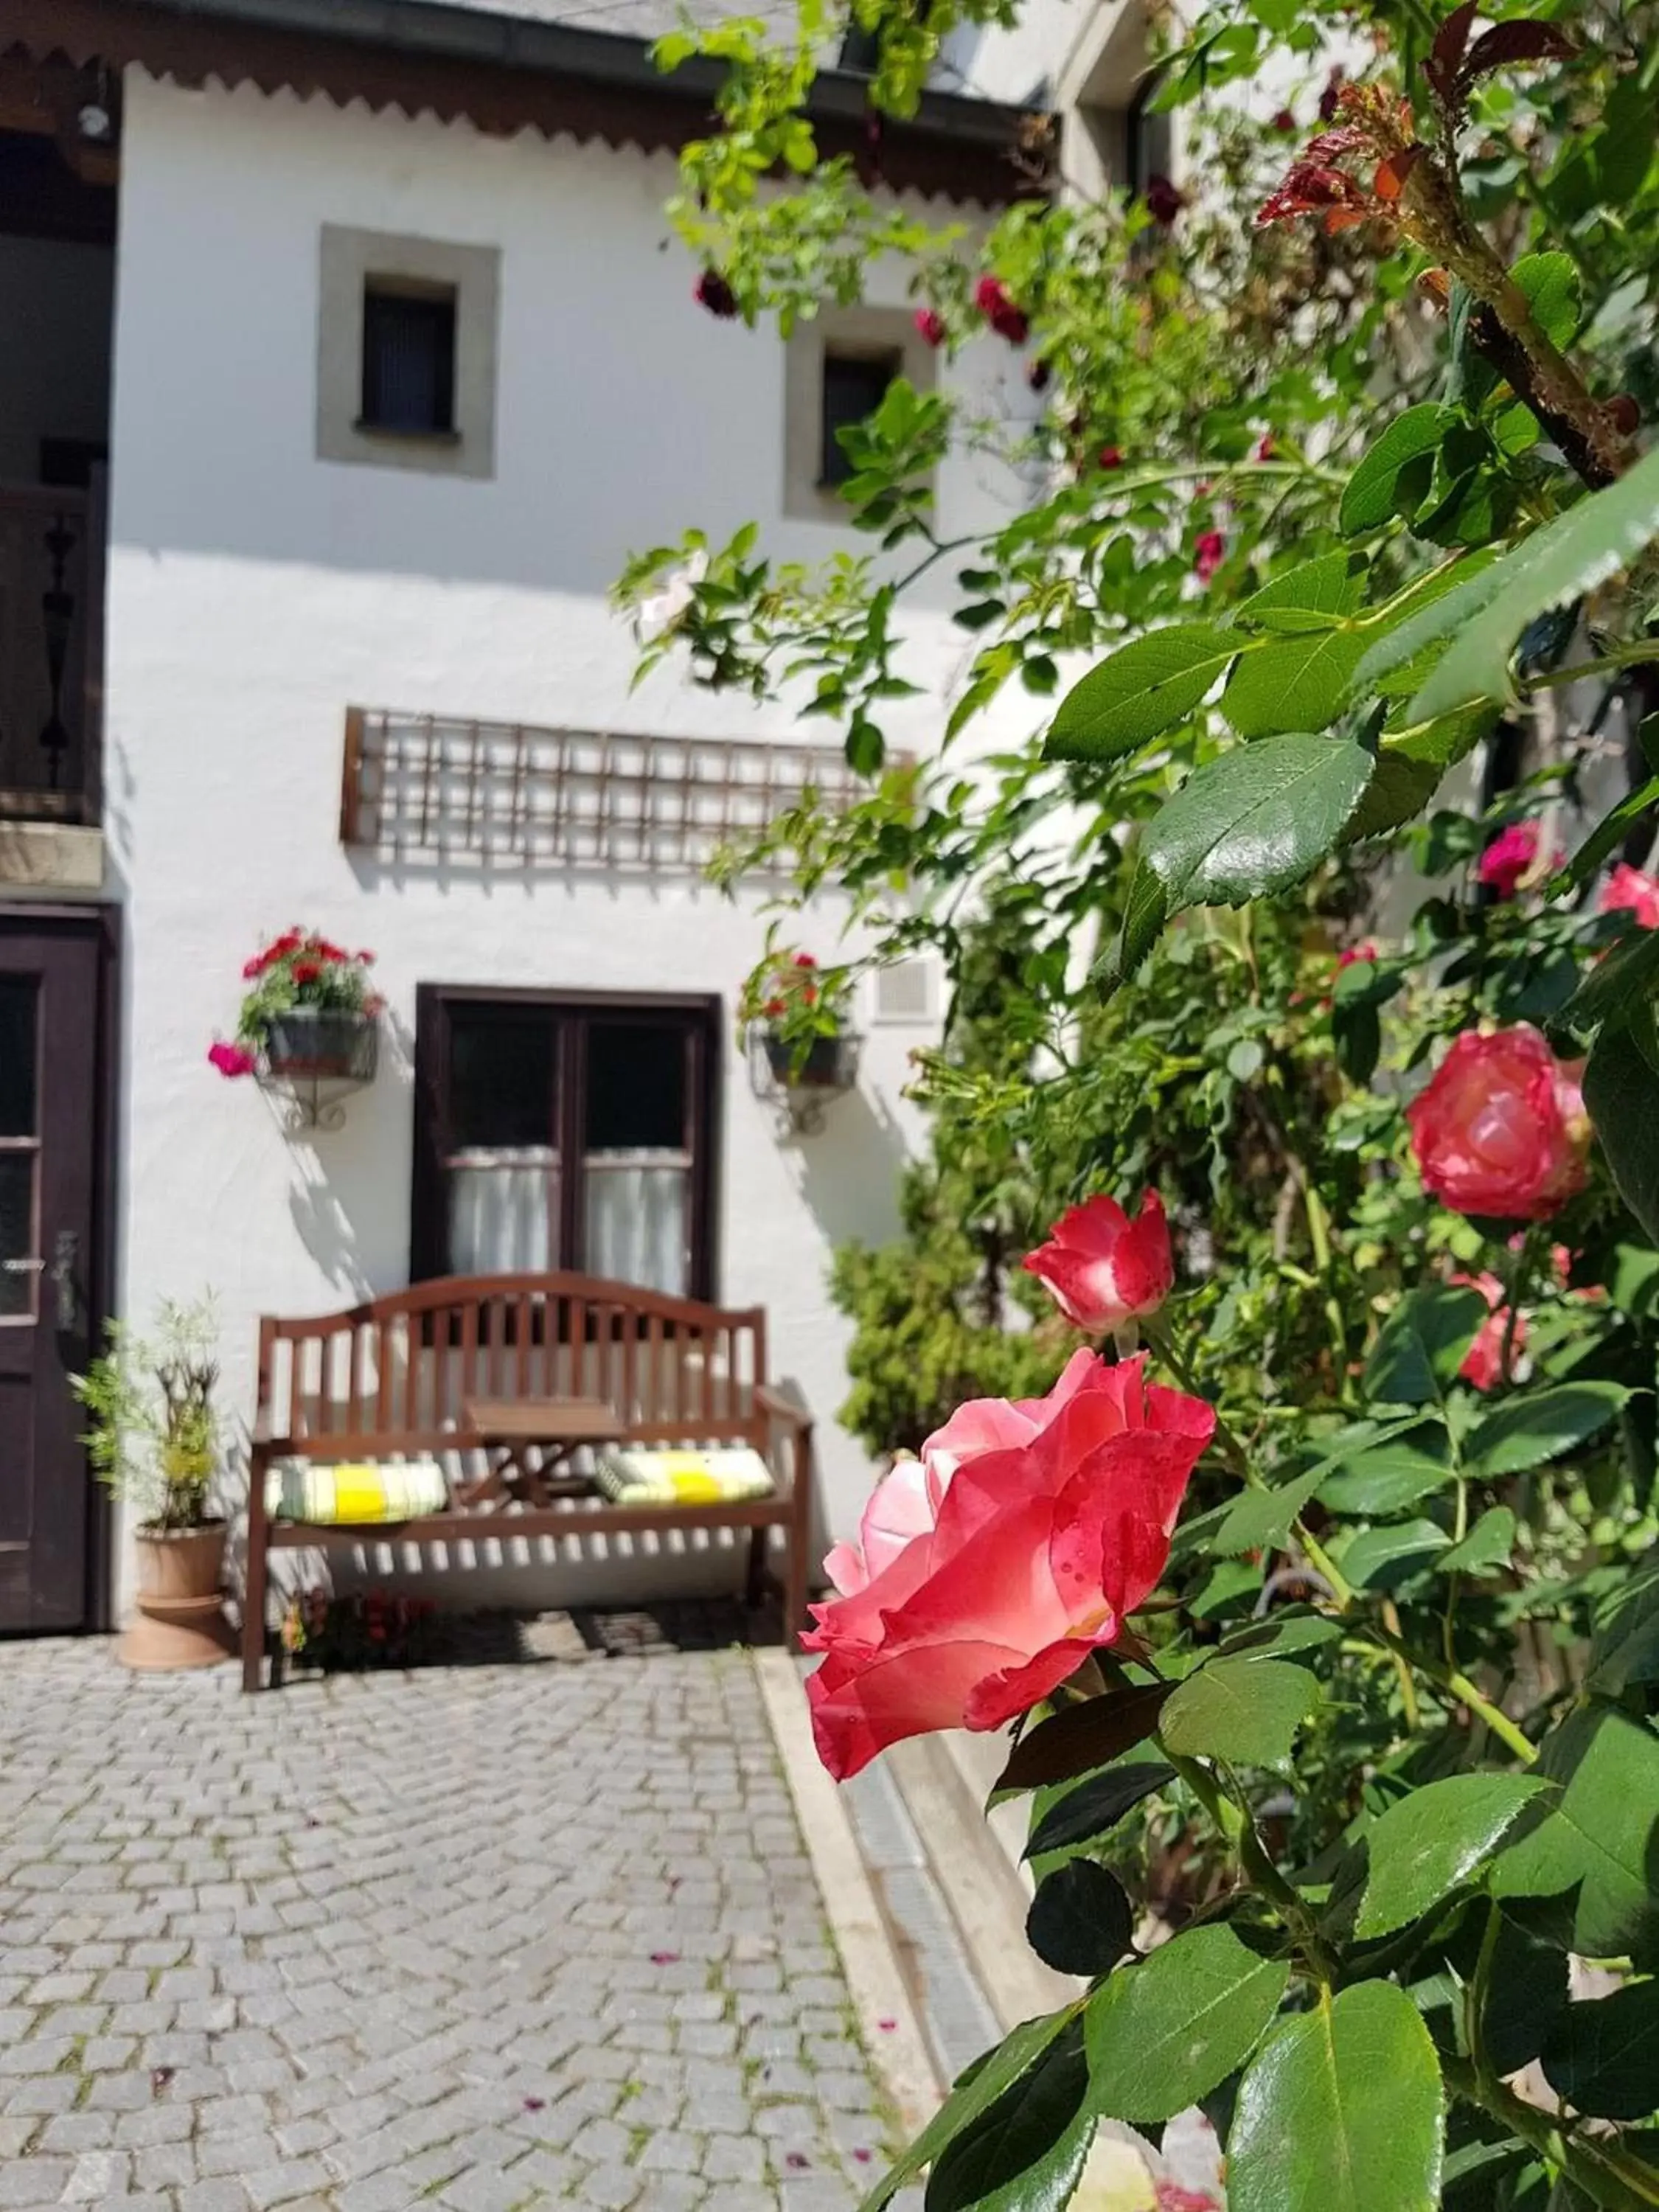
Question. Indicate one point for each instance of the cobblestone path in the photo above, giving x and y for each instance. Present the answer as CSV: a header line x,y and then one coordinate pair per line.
x,y
488,1937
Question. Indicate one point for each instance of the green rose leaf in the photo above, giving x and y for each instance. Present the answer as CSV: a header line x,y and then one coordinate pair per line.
x,y
1551,281
1144,689
1626,1645
1383,1558
1261,1519
1341,2112
1244,1710
1390,1477
1292,1630
1423,1344
1324,590
1094,1805
1603,2057
1011,2063
1435,1841
1082,1737
1162,2034
1558,563
1081,1921
1027,2152
1294,683
1527,1988
1529,1431
1598,1837
1489,1544
1618,1086
1394,474
1255,820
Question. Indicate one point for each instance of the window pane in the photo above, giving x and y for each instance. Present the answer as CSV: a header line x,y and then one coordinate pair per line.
x,y
504,1216
639,1224
16,1232
503,1065
19,1047
854,385
637,1075
408,361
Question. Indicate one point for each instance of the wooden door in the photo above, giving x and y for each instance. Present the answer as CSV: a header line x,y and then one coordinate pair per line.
x,y
51,1073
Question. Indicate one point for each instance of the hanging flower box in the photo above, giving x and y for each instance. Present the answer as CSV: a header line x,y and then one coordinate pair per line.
x,y
322,1041
828,1063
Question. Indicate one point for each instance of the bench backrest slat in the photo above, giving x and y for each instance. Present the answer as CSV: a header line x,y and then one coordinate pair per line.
x,y
401,1368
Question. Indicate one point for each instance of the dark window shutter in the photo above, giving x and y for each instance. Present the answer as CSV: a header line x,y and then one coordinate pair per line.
x,y
408,361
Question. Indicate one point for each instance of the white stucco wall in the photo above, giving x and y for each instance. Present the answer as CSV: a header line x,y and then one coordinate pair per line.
x,y
255,591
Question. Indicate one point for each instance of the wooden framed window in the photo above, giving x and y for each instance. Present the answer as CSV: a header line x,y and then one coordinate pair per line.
x,y
565,1130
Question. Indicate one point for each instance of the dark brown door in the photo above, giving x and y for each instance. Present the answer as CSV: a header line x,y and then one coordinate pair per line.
x,y
50,976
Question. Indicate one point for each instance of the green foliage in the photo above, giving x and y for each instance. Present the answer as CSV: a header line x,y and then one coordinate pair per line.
x,y
153,1442
1309,569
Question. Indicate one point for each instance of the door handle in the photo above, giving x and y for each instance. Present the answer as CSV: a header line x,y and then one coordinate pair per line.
x,y
66,1254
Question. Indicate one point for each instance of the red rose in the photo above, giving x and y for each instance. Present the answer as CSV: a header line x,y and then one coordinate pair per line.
x,y
712,291
1209,551
1034,1555
1483,1363
1500,1130
1627,890
1111,457
1163,202
931,326
1285,121
1008,321
1508,858
1103,1269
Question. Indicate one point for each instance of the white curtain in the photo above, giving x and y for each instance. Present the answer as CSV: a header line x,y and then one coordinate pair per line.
x,y
639,1224
503,1214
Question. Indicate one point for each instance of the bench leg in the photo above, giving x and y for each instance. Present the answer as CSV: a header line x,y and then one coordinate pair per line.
x,y
253,1579
754,1586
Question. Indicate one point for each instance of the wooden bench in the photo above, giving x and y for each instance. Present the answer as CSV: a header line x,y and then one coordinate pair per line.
x,y
434,1372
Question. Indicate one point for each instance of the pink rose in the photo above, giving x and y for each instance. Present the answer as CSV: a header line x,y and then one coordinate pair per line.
x,y
905,1503
1038,1553
1172,2197
1500,1129
1627,890
1483,1363
1508,858
931,325
1104,1269
231,1060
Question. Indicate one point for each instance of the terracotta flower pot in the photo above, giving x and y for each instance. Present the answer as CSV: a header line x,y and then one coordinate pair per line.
x,y
181,1620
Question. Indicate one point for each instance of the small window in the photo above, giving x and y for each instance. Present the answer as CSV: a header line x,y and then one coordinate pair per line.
x,y
854,385
408,360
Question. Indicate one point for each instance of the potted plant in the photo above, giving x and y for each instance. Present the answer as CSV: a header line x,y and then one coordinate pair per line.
x,y
154,1443
309,1013
800,1009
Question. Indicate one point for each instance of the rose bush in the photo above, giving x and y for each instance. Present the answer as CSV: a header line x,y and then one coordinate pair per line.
x,y
1350,510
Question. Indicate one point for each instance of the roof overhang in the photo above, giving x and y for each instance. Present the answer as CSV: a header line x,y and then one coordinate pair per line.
x,y
505,73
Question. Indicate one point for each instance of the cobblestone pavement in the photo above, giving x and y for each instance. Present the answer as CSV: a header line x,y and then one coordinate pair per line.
x,y
485,1937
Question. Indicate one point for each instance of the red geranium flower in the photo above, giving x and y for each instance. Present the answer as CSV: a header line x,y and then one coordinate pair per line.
x,y
305,971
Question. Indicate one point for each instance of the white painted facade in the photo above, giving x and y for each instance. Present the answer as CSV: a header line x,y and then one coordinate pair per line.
x,y
255,591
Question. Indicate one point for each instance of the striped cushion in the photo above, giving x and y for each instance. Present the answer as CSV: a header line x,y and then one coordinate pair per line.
x,y
384,1490
642,1477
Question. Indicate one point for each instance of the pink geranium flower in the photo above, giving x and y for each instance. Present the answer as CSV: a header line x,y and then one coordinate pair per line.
x,y
1103,1269
231,1059
1627,890
1037,1555
1501,1129
931,325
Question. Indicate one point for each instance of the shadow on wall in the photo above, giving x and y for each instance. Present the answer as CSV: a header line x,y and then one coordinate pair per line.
x,y
350,1198
848,1172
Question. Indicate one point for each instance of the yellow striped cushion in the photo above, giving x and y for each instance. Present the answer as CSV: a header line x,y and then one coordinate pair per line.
x,y
364,1490
643,1477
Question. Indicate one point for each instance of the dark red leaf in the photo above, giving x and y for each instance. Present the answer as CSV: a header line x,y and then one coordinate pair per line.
x,y
1506,43
1446,55
1083,1737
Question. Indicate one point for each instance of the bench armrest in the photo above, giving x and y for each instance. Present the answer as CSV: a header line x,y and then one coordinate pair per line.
x,y
782,1409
